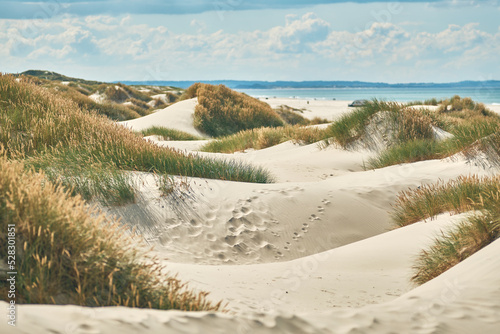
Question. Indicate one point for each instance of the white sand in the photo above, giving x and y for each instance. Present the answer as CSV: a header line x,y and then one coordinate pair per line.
x,y
315,252
178,116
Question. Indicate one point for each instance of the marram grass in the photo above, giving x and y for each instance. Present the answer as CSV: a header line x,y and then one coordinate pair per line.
x,y
169,134
222,111
68,253
264,137
41,127
478,195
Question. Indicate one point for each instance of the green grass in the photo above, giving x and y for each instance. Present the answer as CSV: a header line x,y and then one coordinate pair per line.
x,y
68,253
407,152
352,126
221,111
455,246
79,90
263,138
464,135
456,196
480,196
169,134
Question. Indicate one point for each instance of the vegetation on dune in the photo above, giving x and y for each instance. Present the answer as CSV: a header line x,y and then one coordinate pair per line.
x,y
54,135
428,102
263,138
456,196
292,116
458,244
464,194
118,102
169,134
410,132
475,131
67,253
222,111
352,126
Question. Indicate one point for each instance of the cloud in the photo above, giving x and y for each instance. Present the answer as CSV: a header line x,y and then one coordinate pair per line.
x,y
107,45
36,9
298,34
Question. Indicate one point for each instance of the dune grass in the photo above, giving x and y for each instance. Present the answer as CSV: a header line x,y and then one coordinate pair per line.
x,y
222,111
54,135
429,102
352,126
263,138
466,125
455,196
464,194
169,134
464,135
456,245
70,254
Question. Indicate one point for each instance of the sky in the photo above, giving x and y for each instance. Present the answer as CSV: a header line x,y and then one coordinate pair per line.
x,y
376,41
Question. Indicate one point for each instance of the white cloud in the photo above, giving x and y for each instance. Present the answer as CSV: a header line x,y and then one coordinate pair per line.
x,y
302,42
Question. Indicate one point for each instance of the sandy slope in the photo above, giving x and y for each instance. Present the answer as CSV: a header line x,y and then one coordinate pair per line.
x,y
177,116
313,253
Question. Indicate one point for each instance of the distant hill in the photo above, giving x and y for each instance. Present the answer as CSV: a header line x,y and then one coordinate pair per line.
x,y
239,84
53,76
117,101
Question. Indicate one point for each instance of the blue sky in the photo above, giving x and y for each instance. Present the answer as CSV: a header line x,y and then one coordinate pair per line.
x,y
378,41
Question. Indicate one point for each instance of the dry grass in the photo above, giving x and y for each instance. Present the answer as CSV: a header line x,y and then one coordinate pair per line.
x,y
54,134
222,111
70,254
169,134
263,138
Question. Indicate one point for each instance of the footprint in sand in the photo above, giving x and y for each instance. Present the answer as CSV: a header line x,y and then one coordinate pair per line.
x,y
313,217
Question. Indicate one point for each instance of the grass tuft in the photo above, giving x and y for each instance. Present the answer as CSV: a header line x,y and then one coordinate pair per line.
x,y
480,196
263,138
222,111
70,254
169,134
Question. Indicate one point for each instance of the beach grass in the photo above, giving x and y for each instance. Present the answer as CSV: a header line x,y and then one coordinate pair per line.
x,y
52,133
68,253
222,111
264,137
169,134
455,196
480,196
352,126
471,235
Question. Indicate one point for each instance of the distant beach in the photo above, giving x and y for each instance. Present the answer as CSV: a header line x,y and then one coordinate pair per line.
x,y
488,95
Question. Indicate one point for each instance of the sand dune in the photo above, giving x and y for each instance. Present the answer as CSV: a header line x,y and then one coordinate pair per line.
x,y
178,116
315,252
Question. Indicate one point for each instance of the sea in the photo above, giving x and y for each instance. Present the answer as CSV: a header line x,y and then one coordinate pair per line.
x,y
487,95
